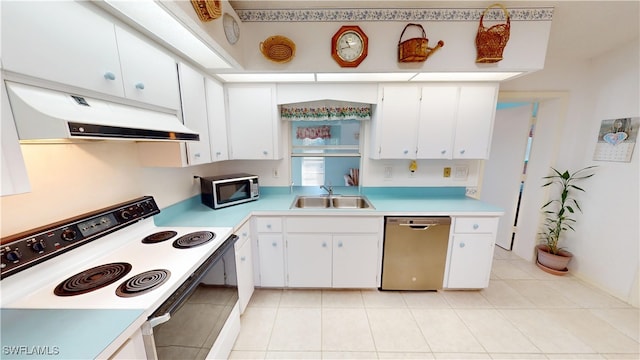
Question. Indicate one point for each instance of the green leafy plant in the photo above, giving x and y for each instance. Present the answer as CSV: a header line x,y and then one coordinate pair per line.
x,y
559,211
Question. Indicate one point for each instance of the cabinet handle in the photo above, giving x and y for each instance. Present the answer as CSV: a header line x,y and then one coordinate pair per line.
x,y
109,75
406,152
324,244
340,244
140,86
242,258
218,153
274,244
244,234
475,226
462,151
268,226
443,152
461,245
196,155
265,152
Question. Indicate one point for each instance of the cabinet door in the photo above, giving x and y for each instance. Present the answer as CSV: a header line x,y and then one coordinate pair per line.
x,y
271,258
66,42
476,112
244,269
355,261
194,113
217,120
253,123
470,261
438,109
149,75
309,260
396,125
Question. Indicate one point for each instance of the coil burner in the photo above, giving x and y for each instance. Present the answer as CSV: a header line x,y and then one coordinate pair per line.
x,y
92,279
159,237
193,239
143,283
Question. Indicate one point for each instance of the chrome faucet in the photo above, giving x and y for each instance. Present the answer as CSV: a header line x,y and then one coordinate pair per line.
x,y
329,190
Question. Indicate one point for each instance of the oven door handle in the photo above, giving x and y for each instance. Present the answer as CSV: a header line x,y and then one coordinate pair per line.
x,y
157,320
163,313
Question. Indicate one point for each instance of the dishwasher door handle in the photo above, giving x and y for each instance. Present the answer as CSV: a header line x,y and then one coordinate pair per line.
x,y
419,227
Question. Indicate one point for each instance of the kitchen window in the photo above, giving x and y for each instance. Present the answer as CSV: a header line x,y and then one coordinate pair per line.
x,y
325,141
325,152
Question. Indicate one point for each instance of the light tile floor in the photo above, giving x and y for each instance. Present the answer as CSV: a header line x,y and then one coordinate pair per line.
x,y
525,313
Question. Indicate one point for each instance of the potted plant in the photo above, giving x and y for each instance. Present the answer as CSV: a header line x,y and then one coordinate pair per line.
x,y
559,212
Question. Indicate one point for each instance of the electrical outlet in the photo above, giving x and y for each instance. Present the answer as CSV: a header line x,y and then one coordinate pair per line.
x,y
388,172
447,172
275,173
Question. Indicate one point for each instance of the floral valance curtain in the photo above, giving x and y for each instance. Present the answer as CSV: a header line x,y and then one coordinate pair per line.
x,y
325,110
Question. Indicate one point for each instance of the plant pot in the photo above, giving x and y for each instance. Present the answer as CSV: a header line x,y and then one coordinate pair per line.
x,y
551,263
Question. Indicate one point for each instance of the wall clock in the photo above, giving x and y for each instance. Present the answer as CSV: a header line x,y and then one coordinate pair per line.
x,y
231,28
349,46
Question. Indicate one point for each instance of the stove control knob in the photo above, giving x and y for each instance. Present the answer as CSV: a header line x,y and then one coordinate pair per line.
x,y
13,256
69,235
125,214
38,246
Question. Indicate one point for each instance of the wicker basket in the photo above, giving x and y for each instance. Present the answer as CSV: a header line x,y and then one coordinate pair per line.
x,y
207,10
278,49
490,42
416,49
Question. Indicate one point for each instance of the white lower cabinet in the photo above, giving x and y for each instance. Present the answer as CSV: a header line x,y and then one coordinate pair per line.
x,y
471,253
309,260
338,252
269,246
244,266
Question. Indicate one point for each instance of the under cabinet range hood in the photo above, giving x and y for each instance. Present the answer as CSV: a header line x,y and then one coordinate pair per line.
x,y
49,116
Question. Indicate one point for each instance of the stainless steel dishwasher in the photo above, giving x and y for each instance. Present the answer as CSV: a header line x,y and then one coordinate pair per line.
x,y
415,252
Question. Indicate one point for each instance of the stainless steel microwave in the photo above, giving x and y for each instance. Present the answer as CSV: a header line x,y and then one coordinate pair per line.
x,y
226,190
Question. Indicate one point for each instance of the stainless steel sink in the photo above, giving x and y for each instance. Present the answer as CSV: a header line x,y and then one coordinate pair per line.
x,y
334,201
311,202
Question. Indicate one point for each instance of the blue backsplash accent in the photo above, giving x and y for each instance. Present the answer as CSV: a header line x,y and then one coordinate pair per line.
x,y
416,191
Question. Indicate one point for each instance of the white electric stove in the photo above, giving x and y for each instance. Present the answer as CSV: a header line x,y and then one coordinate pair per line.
x,y
135,264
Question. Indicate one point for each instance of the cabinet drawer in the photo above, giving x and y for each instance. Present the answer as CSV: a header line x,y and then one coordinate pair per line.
x,y
476,225
269,224
330,224
244,234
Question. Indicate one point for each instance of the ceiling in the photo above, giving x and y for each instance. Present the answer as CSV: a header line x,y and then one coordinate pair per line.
x,y
580,29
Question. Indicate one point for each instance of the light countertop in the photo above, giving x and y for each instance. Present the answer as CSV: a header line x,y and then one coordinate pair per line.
x,y
278,200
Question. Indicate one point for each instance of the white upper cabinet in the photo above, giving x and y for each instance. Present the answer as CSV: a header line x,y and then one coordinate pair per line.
x,y
438,107
254,127
74,43
217,120
149,75
194,113
440,121
397,122
474,125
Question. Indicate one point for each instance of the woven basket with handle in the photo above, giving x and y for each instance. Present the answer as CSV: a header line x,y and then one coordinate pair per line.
x,y
490,42
278,49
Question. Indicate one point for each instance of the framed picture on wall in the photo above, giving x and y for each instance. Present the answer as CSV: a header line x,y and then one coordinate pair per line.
x,y
616,139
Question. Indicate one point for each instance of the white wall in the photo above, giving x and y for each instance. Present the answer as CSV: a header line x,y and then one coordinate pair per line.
x,y
605,243
70,179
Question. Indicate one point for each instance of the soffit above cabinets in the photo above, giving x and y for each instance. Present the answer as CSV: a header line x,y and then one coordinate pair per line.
x,y
311,29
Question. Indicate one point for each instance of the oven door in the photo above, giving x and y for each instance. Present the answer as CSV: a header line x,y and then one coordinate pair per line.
x,y
188,323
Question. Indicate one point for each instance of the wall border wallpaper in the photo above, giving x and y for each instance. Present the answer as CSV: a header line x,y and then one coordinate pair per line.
x,y
391,14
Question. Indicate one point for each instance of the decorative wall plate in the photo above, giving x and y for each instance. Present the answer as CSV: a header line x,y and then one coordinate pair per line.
x,y
231,28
